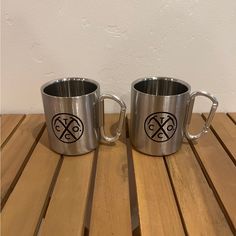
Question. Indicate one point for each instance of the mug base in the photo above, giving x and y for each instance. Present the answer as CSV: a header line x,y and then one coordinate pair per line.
x,y
72,153
159,154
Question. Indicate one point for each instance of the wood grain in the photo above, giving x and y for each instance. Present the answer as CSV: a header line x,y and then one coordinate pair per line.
x,y
226,132
158,211
111,204
21,213
218,166
233,116
66,211
195,186
17,148
8,124
201,213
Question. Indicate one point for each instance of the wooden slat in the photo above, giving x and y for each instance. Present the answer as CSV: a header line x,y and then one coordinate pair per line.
x,y
201,212
226,132
17,148
22,210
66,211
220,169
111,205
158,211
233,116
8,123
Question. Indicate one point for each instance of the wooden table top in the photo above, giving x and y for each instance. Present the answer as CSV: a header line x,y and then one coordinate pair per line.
x,y
116,190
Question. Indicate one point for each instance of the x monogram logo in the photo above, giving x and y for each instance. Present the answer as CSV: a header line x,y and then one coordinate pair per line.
x,y
160,126
67,128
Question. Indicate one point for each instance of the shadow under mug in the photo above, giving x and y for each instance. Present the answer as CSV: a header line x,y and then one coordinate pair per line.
x,y
74,112
161,111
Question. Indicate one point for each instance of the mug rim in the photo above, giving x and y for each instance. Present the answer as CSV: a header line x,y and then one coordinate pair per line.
x,y
161,78
51,82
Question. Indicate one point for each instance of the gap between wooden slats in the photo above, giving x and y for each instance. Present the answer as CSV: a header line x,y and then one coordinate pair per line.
x,y
88,210
158,211
225,131
177,217
8,125
41,217
17,151
67,207
23,208
200,210
232,116
135,221
218,169
111,204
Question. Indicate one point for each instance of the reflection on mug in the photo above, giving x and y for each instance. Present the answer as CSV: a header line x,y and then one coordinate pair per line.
x,y
74,111
161,109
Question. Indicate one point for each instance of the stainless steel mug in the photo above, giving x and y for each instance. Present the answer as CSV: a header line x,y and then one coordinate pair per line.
x,y
74,112
161,110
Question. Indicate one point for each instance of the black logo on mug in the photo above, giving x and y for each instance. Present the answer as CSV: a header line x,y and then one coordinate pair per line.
x,y
67,128
160,126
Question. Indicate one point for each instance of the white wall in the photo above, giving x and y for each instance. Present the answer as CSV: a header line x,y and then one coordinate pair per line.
x,y
116,42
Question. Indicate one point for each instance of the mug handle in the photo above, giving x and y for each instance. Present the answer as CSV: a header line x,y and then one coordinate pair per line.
x,y
189,114
101,117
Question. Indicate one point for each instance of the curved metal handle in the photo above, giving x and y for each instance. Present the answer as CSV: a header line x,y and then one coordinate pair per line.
x,y
209,118
101,117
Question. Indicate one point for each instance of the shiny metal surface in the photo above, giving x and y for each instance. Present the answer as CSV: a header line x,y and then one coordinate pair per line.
x,y
71,107
101,117
209,118
158,114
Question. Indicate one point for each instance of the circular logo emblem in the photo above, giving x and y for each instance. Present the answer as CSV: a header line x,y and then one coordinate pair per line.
x,y
160,126
67,128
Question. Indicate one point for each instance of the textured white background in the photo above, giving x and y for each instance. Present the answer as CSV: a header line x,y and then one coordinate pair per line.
x,y
116,42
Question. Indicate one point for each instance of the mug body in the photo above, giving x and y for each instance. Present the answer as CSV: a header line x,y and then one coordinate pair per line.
x,y
71,113
158,109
